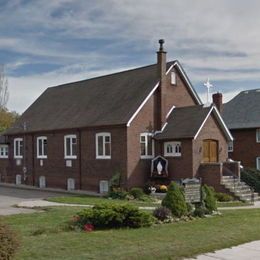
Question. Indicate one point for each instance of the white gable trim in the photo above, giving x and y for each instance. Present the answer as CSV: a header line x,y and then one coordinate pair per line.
x,y
220,121
187,81
143,103
176,63
168,114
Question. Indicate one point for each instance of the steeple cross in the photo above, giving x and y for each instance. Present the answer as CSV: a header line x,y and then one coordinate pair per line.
x,y
208,85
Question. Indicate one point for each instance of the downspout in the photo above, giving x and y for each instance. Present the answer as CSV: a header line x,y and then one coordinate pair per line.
x,y
33,162
80,172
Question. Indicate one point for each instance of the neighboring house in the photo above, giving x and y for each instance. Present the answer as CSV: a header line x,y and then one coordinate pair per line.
x,y
78,135
242,116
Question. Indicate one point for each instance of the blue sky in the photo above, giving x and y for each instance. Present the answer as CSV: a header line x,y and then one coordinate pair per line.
x,y
46,43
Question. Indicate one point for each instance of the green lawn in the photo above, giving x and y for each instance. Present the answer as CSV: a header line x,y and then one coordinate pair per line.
x,y
91,200
233,204
43,237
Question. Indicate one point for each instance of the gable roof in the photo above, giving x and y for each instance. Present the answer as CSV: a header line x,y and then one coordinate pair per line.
x,y
107,100
187,122
243,111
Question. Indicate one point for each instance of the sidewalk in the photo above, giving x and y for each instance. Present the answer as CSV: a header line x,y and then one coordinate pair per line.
x,y
248,251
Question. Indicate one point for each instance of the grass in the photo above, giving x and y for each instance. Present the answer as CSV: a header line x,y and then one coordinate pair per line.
x,y
43,237
91,200
233,204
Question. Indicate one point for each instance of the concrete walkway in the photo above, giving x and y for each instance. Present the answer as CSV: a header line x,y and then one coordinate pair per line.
x,y
30,204
248,251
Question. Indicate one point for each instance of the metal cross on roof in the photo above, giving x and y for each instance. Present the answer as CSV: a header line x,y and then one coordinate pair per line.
x,y
208,85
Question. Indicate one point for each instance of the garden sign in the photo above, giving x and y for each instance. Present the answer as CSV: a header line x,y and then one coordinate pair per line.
x,y
192,190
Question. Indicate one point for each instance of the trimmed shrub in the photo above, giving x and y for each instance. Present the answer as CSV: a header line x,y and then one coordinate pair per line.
x,y
223,197
252,178
209,198
8,242
113,216
117,193
200,211
162,213
137,193
175,200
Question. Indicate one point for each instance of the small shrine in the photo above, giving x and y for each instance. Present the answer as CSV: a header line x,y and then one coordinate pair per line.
x,y
159,167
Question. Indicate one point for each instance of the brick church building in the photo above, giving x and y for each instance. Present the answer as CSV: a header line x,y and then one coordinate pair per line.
x,y
78,135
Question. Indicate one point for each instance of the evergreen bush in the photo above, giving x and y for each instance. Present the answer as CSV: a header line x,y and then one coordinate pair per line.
x,y
175,200
137,193
113,216
252,178
162,213
209,199
223,197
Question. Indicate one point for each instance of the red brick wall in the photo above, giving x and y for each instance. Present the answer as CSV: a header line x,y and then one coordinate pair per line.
x,y
146,120
181,167
54,167
246,149
210,130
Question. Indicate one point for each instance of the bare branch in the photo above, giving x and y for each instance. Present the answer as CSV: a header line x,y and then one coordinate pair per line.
x,y
4,92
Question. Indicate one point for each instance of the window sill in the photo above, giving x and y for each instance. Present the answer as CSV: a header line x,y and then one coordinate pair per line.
x,y
42,157
103,157
18,157
172,155
70,157
145,157
3,157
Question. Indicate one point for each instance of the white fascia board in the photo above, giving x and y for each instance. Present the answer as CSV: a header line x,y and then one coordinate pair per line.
x,y
187,81
143,103
170,111
203,123
220,121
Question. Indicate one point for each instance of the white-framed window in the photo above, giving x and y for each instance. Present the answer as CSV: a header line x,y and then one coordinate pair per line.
x,y
258,163
18,148
172,149
258,135
173,78
230,146
3,151
70,147
146,146
103,146
42,147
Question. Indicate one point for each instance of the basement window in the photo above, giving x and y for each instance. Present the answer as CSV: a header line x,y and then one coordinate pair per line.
x,y
146,146
3,151
103,146
70,147
42,147
258,135
258,163
18,148
172,149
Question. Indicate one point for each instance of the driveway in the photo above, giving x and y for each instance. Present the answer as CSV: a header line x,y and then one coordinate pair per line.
x,y
10,196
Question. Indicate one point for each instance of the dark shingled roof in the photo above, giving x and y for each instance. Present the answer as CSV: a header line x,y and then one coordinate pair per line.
x,y
243,111
184,122
105,100
3,139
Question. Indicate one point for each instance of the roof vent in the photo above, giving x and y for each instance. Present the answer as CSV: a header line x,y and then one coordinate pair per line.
x,y
245,92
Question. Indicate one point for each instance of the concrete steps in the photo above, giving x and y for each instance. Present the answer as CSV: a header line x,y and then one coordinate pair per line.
x,y
239,189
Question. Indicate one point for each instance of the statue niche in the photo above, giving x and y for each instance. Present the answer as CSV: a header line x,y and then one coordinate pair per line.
x,y
159,167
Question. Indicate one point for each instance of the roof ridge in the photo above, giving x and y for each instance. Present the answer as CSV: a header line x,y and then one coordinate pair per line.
x,y
107,75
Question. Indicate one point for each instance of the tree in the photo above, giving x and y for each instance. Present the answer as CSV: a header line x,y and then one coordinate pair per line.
x,y
4,93
7,119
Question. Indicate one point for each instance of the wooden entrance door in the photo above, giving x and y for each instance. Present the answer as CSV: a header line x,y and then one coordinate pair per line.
x,y
210,151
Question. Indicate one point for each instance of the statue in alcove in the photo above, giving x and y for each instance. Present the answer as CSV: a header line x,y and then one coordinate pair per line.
x,y
159,167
